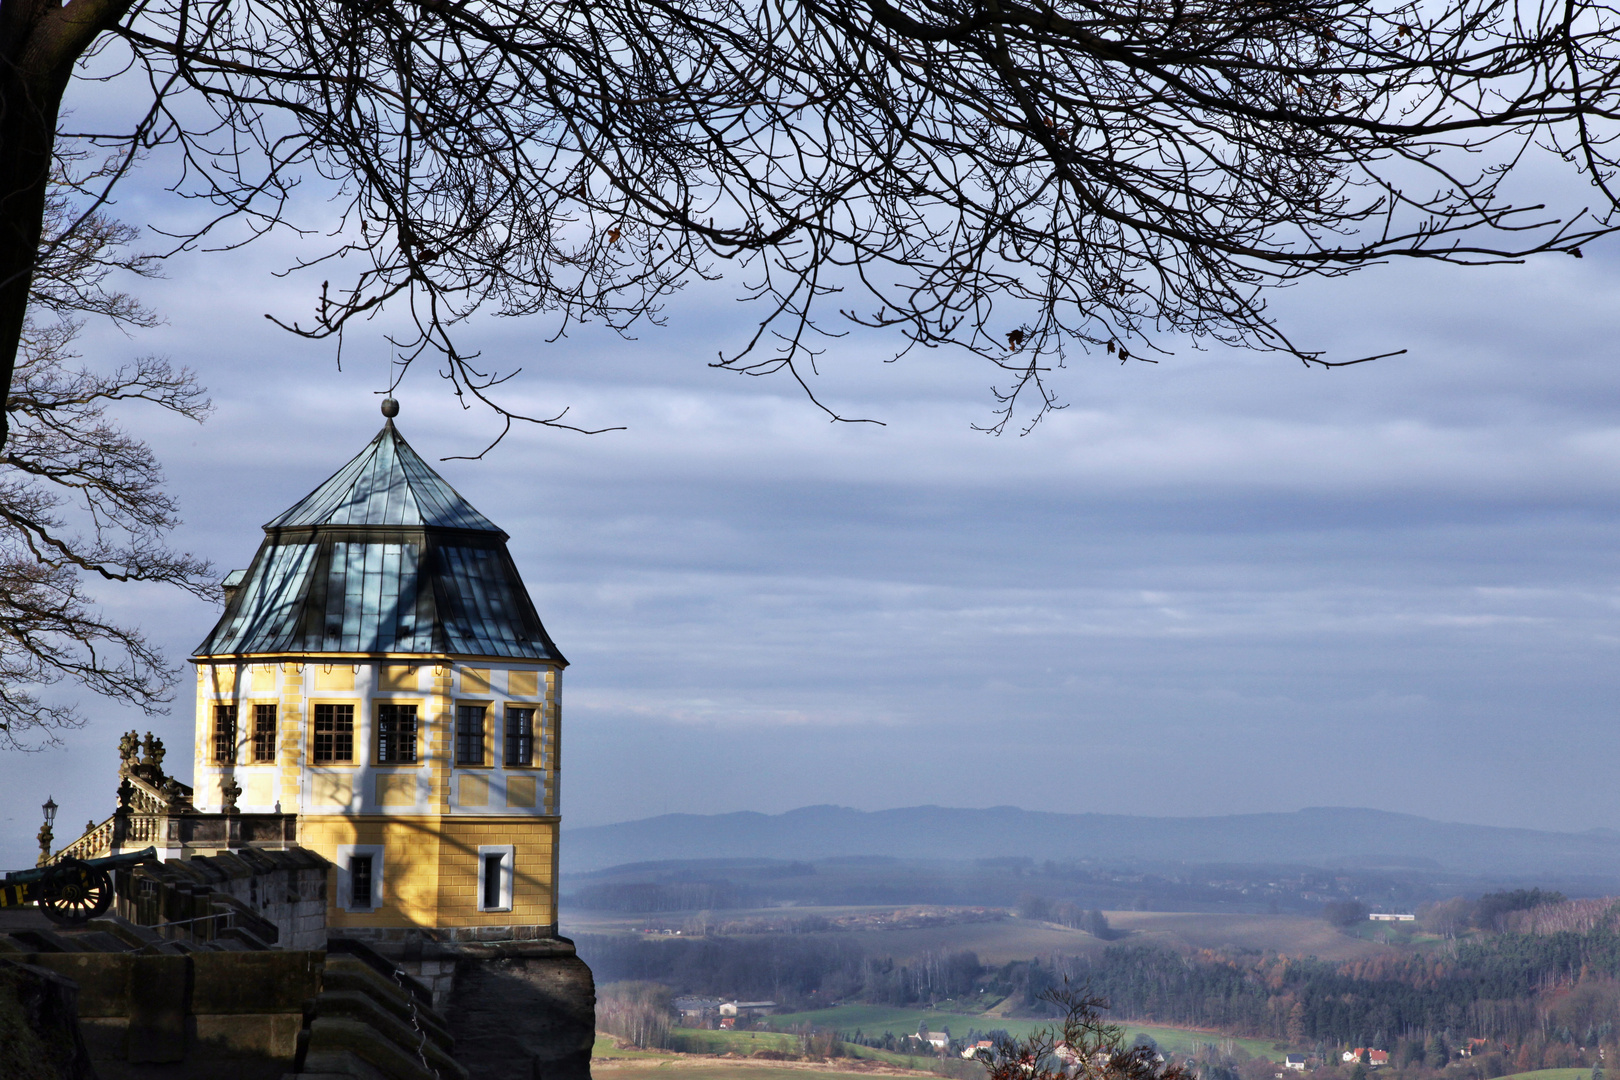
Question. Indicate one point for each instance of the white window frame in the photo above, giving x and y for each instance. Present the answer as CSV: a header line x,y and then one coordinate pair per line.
x,y
344,885
508,855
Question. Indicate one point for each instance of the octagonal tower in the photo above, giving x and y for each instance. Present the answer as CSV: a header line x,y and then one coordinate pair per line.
x,y
381,670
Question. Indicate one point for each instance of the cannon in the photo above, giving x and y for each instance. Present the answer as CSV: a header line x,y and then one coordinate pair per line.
x,y
72,890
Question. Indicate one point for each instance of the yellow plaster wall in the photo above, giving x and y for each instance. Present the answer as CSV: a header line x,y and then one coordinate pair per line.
x,y
533,887
289,732
431,868
442,744
334,676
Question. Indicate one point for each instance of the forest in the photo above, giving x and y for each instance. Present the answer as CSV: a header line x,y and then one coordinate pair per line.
x,y
1536,994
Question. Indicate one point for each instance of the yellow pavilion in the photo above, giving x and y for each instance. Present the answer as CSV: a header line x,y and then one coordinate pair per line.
x,y
380,671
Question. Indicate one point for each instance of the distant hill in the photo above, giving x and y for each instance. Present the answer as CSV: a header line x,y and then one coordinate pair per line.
x,y
1319,836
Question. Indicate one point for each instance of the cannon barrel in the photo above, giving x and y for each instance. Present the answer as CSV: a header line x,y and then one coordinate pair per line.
x,y
106,862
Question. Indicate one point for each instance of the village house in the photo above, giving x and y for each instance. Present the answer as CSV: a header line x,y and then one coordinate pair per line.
x,y
1375,1058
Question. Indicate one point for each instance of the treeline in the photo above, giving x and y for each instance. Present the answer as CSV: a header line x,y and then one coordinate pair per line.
x,y
1507,988
791,969
1543,991
640,897
1067,913
1513,910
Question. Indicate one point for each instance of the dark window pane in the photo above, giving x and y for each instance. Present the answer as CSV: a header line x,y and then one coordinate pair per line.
x,y
492,881
470,735
396,734
225,734
360,881
334,733
520,736
264,733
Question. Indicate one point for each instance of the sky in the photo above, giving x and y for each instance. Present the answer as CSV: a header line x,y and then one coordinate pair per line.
x,y
1220,584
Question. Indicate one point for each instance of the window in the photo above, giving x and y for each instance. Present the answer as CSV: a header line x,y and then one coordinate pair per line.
x,y
492,881
495,864
360,881
360,870
334,733
519,736
470,735
264,733
225,734
396,734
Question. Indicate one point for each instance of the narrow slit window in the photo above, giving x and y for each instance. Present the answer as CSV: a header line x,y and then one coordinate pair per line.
x,y
492,881
264,733
520,736
360,881
470,735
225,734
396,734
334,733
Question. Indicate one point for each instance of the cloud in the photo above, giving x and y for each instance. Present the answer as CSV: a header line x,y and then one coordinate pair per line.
x,y
1219,584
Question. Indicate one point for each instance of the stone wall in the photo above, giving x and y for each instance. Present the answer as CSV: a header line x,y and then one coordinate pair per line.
x,y
523,1011
519,1008
245,1015
190,1017
284,888
39,1026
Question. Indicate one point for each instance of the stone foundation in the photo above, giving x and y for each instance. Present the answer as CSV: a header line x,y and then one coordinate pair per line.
x,y
39,1026
521,1008
523,1011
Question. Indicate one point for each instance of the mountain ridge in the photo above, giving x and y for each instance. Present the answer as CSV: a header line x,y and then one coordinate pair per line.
x,y
1313,836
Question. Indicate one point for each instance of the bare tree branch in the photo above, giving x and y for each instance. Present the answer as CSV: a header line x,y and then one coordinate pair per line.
x,y
1020,178
81,497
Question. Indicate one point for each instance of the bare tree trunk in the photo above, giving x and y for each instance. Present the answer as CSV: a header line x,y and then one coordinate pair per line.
x,y
39,42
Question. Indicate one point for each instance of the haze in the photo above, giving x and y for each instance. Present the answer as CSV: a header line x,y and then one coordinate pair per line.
x,y
1221,584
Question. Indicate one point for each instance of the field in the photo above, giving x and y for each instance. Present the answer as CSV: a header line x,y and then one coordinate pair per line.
x,y
996,942
705,1068
705,1045
1393,933
876,1019
1019,939
1292,935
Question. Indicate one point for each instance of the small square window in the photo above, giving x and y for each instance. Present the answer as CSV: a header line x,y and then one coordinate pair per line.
x,y
470,734
264,733
334,733
396,734
225,734
519,736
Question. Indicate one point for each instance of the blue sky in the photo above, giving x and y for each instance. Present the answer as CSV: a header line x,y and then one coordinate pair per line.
x,y
1218,584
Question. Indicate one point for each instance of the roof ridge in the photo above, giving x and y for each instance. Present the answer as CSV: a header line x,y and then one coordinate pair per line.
x,y
386,484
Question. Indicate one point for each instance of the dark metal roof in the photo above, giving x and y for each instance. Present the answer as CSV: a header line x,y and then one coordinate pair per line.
x,y
384,557
387,483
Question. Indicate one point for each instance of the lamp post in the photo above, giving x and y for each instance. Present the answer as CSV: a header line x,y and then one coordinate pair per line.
x,y
45,834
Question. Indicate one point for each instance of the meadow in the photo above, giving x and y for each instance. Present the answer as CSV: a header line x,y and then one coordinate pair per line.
x,y
877,1019
1013,938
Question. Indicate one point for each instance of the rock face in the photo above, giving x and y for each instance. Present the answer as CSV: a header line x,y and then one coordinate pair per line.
x,y
39,1026
523,1011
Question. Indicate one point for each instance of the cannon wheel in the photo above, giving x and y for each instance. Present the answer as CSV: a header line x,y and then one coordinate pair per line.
x,y
74,891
